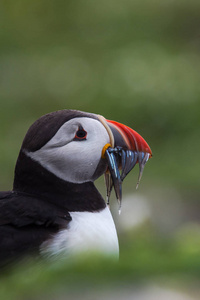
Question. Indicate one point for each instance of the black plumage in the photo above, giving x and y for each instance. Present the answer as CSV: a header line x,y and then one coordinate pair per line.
x,y
40,203
25,222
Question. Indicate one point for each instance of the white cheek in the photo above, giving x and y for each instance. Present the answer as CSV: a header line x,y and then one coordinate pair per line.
x,y
85,160
77,160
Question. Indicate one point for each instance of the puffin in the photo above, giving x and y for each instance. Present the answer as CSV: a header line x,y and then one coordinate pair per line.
x,y
54,209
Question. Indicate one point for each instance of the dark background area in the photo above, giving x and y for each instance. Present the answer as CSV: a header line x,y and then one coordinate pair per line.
x,y
136,62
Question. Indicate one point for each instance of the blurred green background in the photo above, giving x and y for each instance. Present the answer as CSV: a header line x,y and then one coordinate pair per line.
x,y
137,62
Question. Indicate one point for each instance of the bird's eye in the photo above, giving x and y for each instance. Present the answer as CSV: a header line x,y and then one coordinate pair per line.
x,y
80,134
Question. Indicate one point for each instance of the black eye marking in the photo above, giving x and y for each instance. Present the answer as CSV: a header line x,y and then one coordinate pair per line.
x,y
81,134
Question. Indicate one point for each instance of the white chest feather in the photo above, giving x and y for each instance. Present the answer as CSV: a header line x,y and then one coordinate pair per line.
x,y
88,231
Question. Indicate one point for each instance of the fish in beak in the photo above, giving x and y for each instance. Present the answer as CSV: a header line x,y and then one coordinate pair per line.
x,y
125,150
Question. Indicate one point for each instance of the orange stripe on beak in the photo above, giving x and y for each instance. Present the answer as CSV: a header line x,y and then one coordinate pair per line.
x,y
133,140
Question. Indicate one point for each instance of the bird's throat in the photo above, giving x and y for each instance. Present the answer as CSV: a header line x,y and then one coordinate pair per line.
x,y
32,178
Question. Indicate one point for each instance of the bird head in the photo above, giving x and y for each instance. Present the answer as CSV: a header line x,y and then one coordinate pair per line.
x,y
79,147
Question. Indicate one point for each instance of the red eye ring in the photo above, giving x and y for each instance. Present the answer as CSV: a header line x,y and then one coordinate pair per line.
x,y
81,134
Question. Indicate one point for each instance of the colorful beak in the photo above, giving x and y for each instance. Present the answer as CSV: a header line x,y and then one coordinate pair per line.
x,y
125,136
126,149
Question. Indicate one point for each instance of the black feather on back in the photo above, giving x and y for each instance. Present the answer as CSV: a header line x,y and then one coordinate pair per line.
x,y
26,222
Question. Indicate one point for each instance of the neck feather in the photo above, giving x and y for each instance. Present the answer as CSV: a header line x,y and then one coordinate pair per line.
x,y
31,178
